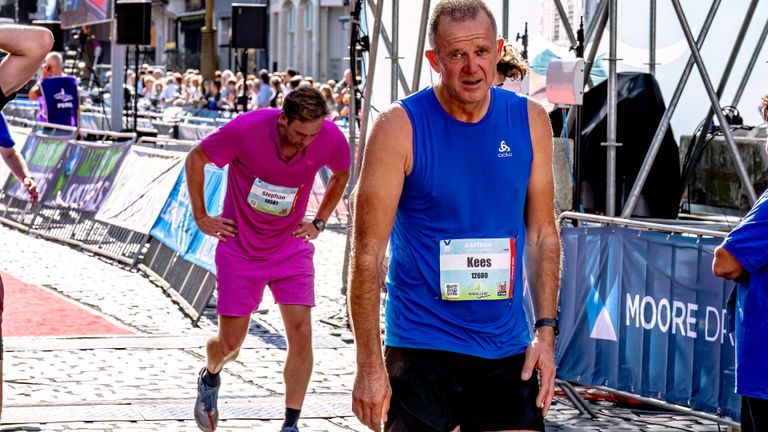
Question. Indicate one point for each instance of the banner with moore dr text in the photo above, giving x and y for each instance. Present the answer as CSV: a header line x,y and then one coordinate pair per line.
x,y
641,312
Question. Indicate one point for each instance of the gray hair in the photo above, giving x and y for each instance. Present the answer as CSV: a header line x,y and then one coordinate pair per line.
x,y
458,11
56,57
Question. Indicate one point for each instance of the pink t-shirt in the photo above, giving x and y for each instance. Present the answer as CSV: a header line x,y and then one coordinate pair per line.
x,y
266,195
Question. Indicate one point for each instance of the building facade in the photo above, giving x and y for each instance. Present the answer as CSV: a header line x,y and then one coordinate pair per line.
x,y
310,36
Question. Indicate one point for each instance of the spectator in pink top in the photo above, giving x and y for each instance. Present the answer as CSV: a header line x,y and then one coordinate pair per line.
x,y
273,157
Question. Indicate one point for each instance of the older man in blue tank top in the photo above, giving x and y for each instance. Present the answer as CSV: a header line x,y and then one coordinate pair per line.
x,y
459,178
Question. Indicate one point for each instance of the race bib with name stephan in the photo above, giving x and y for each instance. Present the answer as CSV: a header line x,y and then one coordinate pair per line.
x,y
271,199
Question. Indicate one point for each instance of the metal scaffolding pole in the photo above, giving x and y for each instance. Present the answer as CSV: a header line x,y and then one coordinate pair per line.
x,y
368,92
697,147
725,127
661,131
593,24
599,22
566,23
388,46
504,20
420,47
611,144
751,65
395,48
652,42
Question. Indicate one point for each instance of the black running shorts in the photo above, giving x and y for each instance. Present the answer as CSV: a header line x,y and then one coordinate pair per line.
x,y
438,390
754,414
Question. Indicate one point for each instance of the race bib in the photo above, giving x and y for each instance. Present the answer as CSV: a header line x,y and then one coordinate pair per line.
x,y
477,269
271,199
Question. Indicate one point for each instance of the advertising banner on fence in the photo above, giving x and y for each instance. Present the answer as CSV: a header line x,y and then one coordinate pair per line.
x,y
175,226
46,159
202,248
142,186
641,312
84,185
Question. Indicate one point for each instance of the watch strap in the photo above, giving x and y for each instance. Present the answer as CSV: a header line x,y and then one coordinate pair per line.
x,y
547,322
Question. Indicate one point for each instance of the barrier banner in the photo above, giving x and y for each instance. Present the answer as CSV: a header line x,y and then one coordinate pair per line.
x,y
202,248
142,186
175,226
84,185
46,159
641,312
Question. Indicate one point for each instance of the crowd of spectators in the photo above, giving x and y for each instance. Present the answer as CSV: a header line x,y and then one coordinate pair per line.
x,y
159,89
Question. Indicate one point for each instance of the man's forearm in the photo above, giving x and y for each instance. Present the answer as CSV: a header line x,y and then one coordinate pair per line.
x,y
195,171
333,193
543,257
16,164
364,304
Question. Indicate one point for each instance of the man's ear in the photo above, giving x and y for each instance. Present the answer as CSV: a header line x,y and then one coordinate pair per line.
x,y
432,58
499,47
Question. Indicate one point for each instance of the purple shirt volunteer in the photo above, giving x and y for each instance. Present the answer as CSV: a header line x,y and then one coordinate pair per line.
x,y
250,144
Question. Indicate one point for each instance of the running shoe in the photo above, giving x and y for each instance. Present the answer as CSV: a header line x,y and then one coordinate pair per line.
x,y
290,429
206,408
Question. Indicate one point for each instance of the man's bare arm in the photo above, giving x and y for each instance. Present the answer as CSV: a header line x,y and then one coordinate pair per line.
x,y
19,168
542,252
386,163
725,265
27,47
215,226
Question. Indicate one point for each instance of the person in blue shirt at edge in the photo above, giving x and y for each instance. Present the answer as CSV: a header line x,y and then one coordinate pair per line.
x,y
743,258
26,47
460,176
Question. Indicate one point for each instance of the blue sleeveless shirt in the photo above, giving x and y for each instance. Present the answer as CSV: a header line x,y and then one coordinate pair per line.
x,y
468,181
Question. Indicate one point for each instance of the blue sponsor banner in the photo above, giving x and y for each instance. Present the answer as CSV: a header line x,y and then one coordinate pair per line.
x,y
641,312
176,227
202,248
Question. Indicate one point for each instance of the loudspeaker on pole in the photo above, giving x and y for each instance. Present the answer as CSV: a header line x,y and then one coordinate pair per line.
x,y
134,19
249,26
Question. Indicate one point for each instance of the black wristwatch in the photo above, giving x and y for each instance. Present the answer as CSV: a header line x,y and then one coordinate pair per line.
x,y
547,322
319,225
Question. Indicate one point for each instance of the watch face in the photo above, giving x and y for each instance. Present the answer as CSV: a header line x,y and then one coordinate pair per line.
x,y
319,224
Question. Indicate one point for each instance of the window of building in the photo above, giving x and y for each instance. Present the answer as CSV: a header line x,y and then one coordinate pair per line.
x,y
224,31
291,18
308,16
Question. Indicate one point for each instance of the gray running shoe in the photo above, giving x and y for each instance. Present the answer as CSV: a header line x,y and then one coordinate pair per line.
x,y
206,408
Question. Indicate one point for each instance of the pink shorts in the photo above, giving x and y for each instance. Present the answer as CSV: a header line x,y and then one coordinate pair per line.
x,y
290,275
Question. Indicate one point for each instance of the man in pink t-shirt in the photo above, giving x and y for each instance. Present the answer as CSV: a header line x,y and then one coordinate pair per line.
x,y
273,157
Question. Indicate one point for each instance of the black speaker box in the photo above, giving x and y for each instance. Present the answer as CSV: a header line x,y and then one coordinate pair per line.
x,y
55,28
249,26
134,19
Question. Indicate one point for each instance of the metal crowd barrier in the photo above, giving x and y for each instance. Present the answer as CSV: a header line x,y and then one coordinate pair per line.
x,y
167,143
608,350
70,226
189,285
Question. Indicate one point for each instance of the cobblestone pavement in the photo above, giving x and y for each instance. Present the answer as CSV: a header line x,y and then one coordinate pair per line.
x,y
146,381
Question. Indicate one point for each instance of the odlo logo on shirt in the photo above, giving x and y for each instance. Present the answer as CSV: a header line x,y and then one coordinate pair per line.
x,y
504,150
